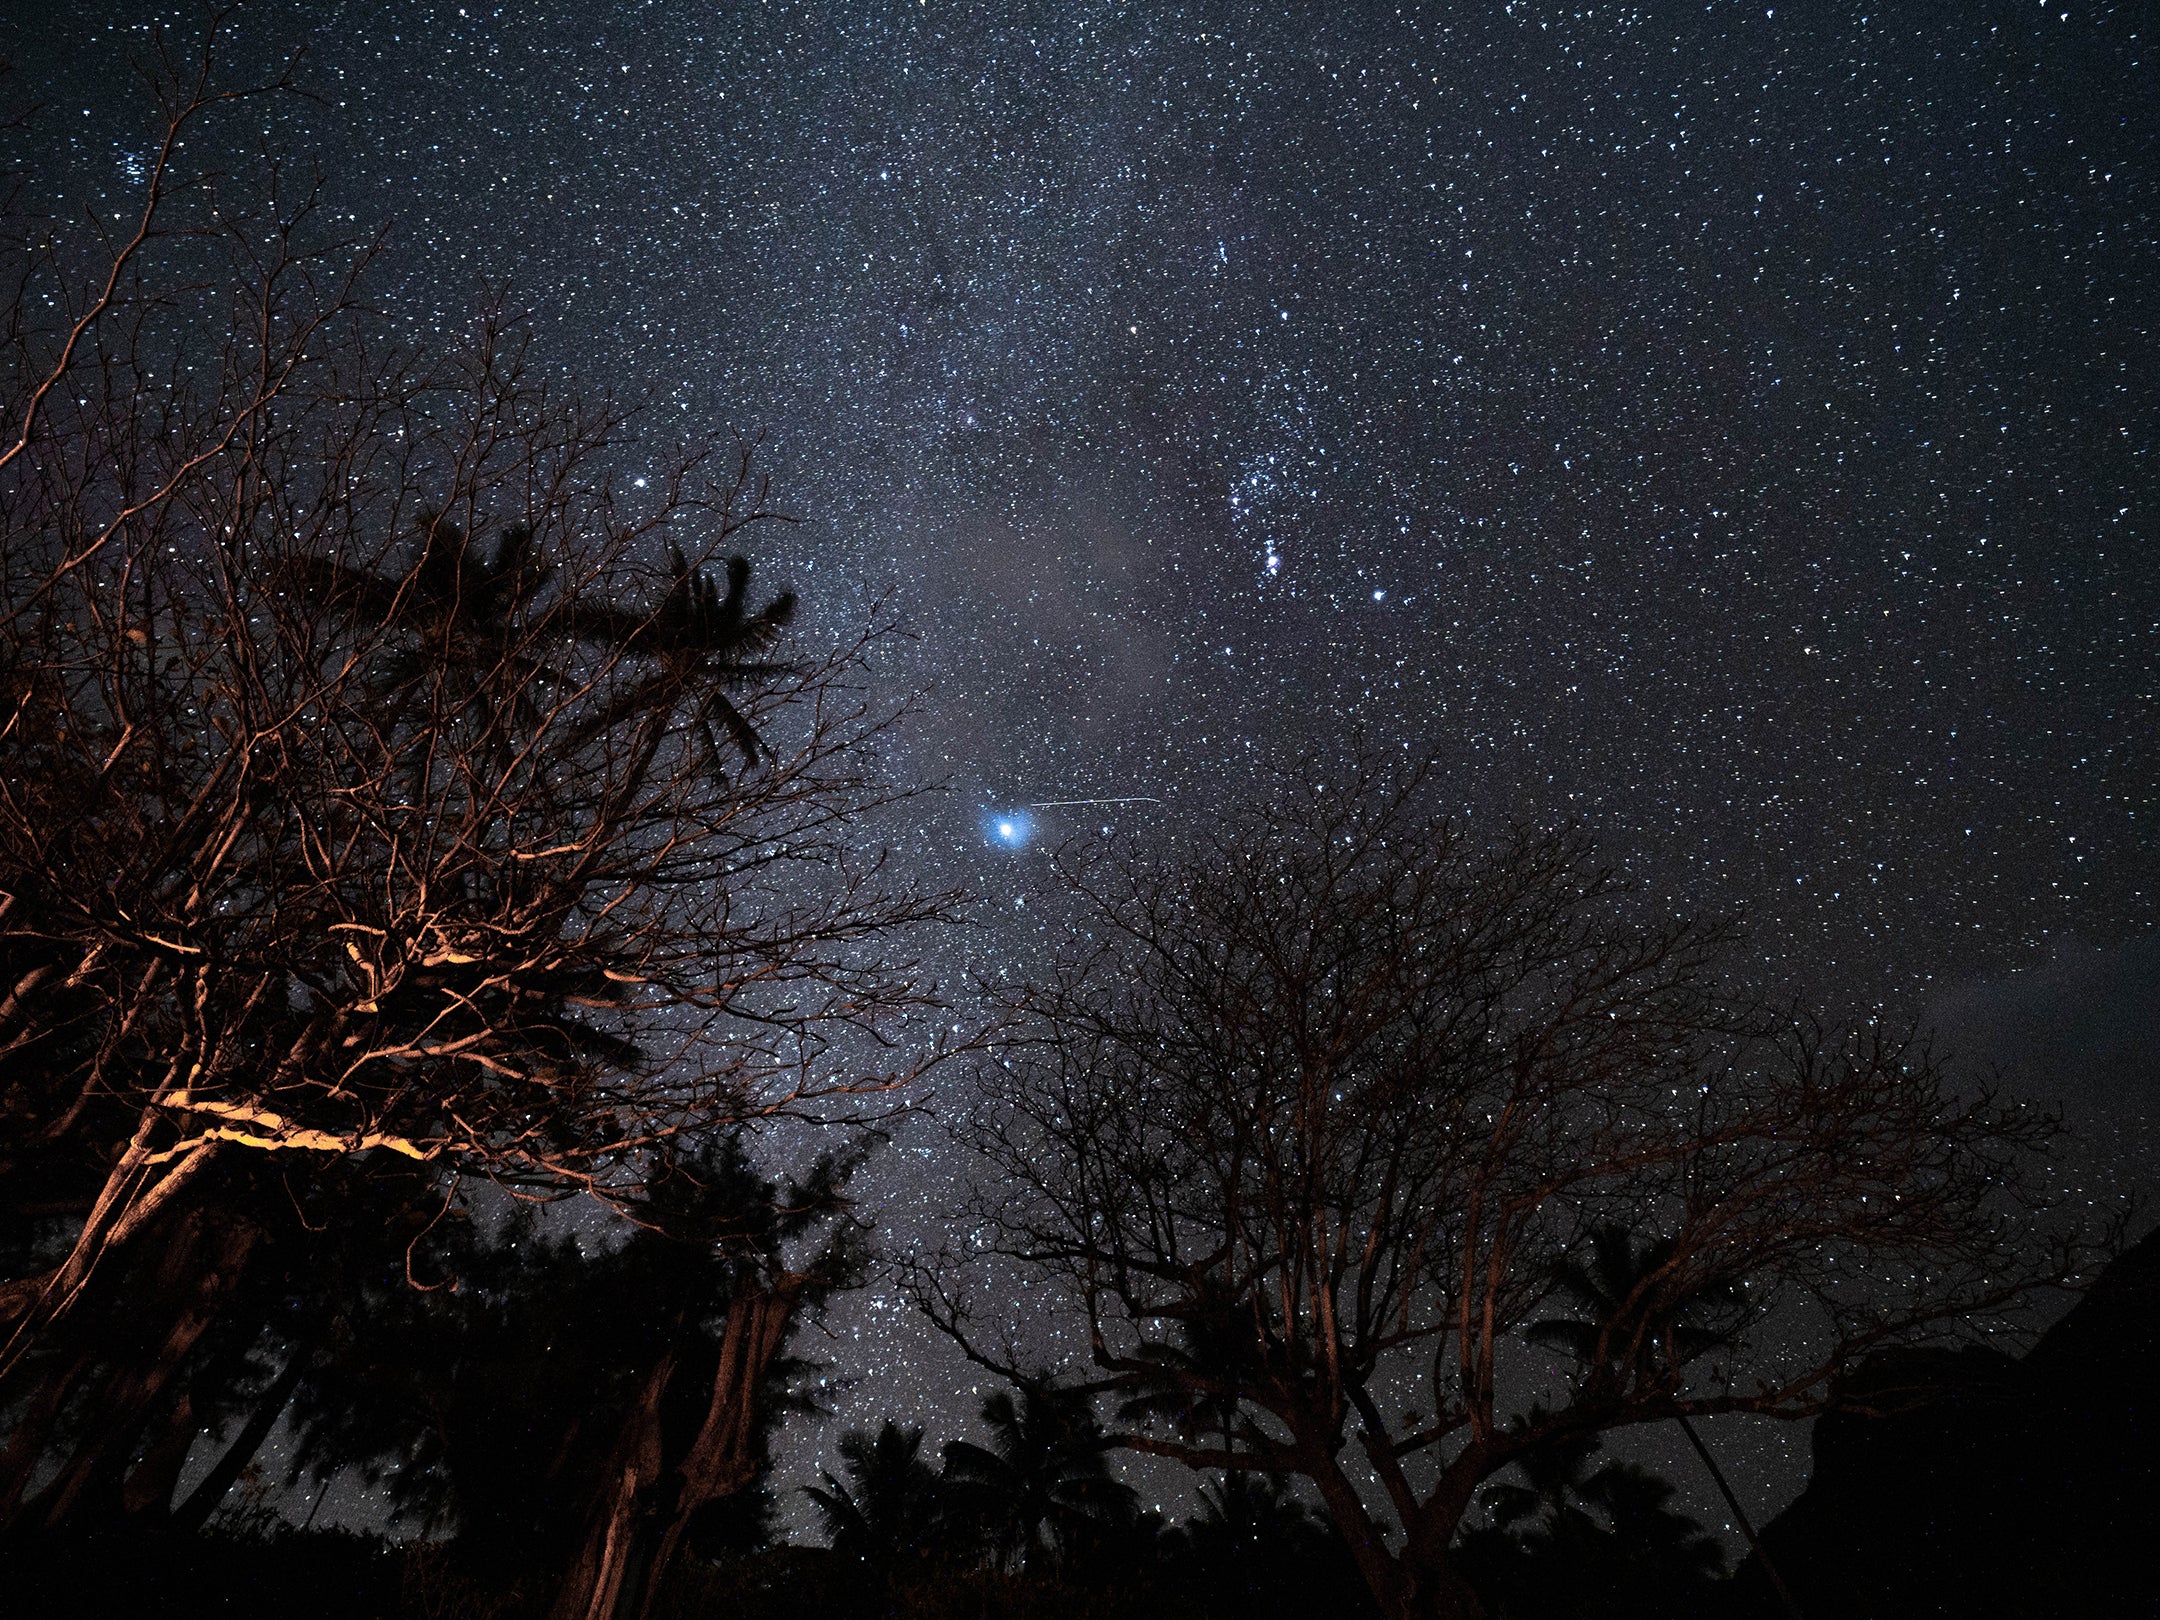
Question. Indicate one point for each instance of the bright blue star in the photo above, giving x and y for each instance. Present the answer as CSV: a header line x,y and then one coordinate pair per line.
x,y
1011,828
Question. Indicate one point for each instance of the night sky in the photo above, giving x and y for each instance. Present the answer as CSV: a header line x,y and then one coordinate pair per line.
x,y
1732,425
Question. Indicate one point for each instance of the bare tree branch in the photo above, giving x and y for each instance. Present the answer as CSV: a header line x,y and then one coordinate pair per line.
x,y
1313,1134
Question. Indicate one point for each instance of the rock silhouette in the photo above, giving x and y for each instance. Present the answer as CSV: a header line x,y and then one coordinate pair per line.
x,y
1977,1484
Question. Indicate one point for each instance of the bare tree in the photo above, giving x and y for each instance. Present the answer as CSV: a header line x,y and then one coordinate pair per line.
x,y
383,770
1310,1135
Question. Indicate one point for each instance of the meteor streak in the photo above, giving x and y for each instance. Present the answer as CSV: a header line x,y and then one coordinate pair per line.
x,y
1058,804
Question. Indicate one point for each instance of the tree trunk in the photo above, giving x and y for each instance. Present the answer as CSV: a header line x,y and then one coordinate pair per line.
x,y
593,1587
723,1459
1740,1516
1368,1547
1436,1590
26,1446
91,1480
147,1493
1419,1583
147,1497
646,1504
33,1309
135,1193
194,1512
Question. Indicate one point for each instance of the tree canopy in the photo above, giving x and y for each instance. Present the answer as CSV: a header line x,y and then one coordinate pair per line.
x,y
1348,1098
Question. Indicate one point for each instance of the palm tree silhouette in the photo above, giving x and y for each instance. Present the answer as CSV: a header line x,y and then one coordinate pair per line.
x,y
1556,1480
1639,1315
703,642
1636,1304
1640,1507
474,618
1044,1480
888,1508
453,609
1246,1510
1572,1532
1192,1384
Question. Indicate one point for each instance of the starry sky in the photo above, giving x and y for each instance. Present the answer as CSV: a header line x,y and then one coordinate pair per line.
x,y
1730,424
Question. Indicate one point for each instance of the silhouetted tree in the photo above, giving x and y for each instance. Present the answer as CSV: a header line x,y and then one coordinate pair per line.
x,y
1575,1534
1249,1518
384,776
1342,1084
695,1433
1614,1276
1042,1485
1555,1481
1256,1547
496,1408
890,1508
